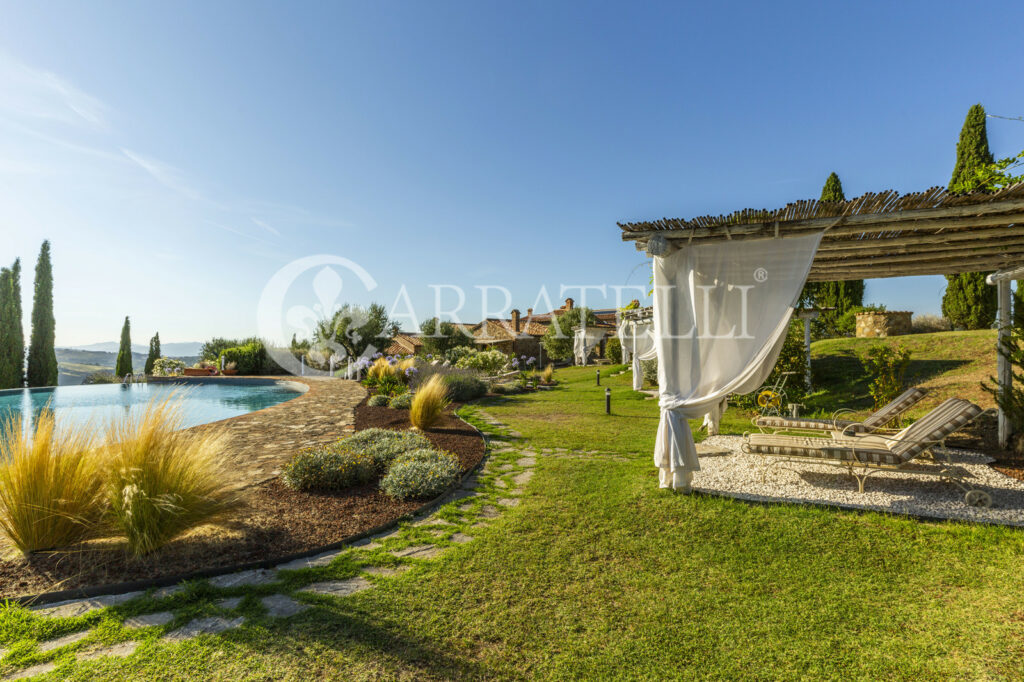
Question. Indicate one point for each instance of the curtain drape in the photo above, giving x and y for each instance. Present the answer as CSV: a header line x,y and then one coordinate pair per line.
x,y
584,341
643,349
721,312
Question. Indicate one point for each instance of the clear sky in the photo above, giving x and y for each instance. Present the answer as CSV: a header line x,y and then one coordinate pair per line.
x,y
178,154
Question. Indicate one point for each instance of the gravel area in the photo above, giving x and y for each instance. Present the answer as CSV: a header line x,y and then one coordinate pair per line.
x,y
727,471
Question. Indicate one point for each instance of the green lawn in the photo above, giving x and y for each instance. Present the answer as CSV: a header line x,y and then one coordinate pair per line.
x,y
598,574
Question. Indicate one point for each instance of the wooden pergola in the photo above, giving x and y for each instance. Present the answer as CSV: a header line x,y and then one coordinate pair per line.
x,y
877,235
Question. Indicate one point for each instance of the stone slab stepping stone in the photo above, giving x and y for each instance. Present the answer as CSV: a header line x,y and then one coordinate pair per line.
x,y
340,588
490,512
432,521
526,461
374,541
79,607
203,626
460,538
40,669
229,604
508,502
119,650
149,620
167,591
281,606
500,483
507,467
385,571
523,478
418,552
256,576
514,434
63,641
308,562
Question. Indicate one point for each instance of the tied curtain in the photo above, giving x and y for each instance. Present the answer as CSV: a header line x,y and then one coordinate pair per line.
x,y
642,349
721,312
584,341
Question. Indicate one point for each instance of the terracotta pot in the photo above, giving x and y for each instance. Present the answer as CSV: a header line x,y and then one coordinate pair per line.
x,y
229,372
198,371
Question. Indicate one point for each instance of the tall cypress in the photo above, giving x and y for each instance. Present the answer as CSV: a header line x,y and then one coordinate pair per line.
x,y
840,296
154,352
42,358
123,365
18,342
8,369
968,302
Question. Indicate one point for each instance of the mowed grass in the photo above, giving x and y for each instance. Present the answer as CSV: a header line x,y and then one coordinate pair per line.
x,y
598,574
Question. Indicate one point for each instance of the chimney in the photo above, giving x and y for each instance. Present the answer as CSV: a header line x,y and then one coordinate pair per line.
x,y
515,320
569,303
529,312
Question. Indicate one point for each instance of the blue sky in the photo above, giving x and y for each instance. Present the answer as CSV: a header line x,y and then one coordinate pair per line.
x,y
179,154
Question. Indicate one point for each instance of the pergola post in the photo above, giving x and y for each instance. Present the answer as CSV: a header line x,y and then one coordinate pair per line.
x,y
1003,370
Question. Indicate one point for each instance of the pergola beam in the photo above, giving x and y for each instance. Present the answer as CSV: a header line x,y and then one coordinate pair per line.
x,y
935,253
907,244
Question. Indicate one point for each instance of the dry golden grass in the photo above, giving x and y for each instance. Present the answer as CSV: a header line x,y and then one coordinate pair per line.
x,y
381,368
51,484
548,375
163,481
428,403
403,365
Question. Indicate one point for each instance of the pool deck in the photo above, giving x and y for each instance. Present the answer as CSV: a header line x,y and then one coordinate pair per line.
x,y
262,441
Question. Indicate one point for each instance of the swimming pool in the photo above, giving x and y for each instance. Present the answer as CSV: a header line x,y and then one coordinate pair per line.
x,y
202,402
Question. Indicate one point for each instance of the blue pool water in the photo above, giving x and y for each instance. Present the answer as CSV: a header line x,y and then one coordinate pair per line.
x,y
202,402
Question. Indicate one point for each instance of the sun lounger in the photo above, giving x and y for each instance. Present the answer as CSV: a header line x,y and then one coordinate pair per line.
x,y
874,423
919,448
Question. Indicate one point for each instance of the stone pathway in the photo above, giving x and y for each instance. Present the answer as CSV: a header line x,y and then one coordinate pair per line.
x,y
495,489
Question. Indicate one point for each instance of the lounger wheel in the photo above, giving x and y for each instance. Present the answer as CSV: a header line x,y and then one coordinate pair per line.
x,y
978,498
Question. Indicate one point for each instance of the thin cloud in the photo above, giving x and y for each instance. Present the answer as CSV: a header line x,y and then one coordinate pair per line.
x,y
269,228
166,175
37,94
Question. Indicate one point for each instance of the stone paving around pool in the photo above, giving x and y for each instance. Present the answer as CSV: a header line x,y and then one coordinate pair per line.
x,y
263,441
118,625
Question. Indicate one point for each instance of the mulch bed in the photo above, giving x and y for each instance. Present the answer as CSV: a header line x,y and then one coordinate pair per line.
x,y
278,522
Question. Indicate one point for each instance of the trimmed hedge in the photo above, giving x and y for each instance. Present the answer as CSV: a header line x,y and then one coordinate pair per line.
x,y
328,468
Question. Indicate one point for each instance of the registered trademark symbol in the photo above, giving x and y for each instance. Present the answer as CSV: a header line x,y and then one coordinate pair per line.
x,y
760,275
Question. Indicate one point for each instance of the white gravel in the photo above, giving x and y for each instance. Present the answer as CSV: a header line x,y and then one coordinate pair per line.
x,y
727,471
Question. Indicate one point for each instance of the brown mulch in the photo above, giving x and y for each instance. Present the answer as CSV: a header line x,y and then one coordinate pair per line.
x,y
276,523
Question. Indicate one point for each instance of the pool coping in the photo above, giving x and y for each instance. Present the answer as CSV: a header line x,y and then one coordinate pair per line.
x,y
44,598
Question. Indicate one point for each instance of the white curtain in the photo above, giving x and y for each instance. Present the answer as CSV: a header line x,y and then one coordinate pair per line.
x,y
625,335
643,349
721,312
584,341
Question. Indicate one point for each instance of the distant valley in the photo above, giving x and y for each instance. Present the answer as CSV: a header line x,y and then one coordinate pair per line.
x,y
75,364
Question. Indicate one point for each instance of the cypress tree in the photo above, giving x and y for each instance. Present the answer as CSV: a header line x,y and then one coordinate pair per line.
x,y
842,296
8,371
124,353
42,358
154,352
968,302
18,344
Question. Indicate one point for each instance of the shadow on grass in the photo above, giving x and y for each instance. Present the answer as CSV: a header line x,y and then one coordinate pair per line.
x,y
846,383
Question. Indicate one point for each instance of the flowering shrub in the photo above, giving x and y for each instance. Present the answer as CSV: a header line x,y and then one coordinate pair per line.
x,y
420,474
486,361
383,445
329,467
168,367
524,365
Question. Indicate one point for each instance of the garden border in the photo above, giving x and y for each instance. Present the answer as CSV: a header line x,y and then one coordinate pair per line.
x,y
44,598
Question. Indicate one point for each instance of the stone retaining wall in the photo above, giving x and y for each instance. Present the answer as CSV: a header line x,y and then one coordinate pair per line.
x,y
879,324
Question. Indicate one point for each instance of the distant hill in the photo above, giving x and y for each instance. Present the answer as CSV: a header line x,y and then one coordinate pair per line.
x,y
171,350
75,364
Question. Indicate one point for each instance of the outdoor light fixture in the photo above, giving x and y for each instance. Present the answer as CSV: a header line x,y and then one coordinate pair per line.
x,y
598,377
607,401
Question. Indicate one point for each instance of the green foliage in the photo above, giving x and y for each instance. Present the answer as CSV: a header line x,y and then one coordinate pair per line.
x,y
558,339
969,303
382,446
792,358
212,349
833,189
1018,304
154,353
402,401
10,329
887,367
378,400
420,474
972,150
1011,401
354,329
991,177
123,365
439,338
613,350
649,368
464,387
167,367
42,358
489,362
328,468
389,386
250,358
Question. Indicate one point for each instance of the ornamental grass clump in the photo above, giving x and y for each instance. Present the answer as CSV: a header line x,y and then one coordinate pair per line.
x,y
428,403
328,468
420,474
51,484
162,481
381,368
548,375
382,446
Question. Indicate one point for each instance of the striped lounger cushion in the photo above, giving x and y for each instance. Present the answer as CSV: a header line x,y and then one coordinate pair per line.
x,y
864,450
901,404
808,424
950,416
